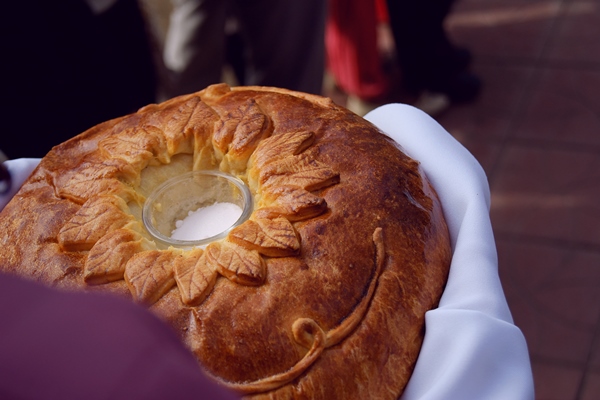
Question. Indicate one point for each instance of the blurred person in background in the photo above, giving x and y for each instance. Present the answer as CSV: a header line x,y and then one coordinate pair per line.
x,y
70,65
427,57
281,44
382,51
353,55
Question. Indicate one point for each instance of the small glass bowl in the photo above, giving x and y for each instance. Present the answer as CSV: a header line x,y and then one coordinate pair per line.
x,y
175,198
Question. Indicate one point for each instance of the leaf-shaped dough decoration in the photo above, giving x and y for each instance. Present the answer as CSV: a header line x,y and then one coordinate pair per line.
x,y
236,263
280,146
95,218
213,93
95,177
291,203
195,277
253,127
240,129
135,146
302,171
202,124
107,259
271,237
149,274
172,118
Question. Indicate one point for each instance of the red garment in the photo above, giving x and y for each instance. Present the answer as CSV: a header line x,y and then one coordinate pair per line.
x,y
382,11
351,44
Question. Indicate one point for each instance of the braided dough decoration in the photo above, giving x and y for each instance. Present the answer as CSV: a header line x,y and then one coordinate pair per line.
x,y
320,294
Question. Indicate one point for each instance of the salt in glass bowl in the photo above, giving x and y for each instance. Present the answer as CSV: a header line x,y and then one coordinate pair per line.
x,y
174,199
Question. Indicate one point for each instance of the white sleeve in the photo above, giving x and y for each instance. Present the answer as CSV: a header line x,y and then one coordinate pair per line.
x,y
19,170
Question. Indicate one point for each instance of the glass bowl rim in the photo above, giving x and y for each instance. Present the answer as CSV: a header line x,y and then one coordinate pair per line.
x,y
160,189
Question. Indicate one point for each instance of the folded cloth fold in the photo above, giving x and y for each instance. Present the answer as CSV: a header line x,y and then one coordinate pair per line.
x,y
472,349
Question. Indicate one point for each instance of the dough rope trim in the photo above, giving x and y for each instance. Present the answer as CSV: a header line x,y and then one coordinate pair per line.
x,y
309,334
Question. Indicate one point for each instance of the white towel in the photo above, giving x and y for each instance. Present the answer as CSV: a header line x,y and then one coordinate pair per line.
x,y
472,349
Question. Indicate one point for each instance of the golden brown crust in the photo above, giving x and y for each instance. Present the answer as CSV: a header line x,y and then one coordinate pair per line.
x,y
321,294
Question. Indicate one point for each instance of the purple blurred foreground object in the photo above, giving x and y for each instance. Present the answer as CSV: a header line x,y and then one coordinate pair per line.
x,y
64,345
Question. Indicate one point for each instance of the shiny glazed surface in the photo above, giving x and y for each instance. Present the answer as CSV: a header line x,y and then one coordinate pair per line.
x,y
321,294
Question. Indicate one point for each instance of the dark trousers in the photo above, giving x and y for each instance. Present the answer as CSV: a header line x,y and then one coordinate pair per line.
x,y
282,43
423,48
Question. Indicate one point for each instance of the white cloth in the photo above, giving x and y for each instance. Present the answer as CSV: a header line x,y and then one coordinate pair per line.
x,y
472,349
19,171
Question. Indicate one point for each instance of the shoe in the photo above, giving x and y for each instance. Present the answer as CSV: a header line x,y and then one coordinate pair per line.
x,y
432,103
361,107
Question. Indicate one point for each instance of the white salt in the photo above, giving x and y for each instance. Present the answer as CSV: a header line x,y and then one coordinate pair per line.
x,y
206,221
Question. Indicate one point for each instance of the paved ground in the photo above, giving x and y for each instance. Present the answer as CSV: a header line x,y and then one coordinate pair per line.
x,y
536,131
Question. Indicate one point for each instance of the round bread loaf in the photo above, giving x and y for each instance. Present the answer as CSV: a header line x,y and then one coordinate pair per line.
x,y
320,294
